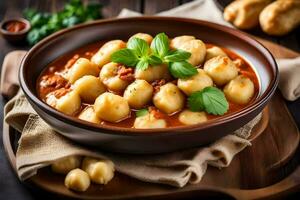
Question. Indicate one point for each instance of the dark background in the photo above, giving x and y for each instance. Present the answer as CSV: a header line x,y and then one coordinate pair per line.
x,y
10,186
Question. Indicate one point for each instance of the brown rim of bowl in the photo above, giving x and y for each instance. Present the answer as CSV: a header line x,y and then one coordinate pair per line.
x,y
26,29
172,130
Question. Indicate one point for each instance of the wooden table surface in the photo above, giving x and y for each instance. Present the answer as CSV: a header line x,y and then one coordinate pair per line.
x,y
10,186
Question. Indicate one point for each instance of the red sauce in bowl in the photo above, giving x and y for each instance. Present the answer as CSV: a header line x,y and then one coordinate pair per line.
x,y
15,26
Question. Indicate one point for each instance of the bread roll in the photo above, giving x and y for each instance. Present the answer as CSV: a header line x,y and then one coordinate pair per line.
x,y
280,17
244,14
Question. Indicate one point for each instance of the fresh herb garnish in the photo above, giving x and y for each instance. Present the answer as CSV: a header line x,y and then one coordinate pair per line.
x,y
141,112
138,54
74,12
210,99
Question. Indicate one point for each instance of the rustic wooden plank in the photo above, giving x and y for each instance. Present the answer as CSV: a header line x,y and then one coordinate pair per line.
x,y
291,40
154,6
112,8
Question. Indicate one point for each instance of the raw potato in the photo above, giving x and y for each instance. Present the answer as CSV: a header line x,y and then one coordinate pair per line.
x,y
169,99
63,166
221,69
89,88
214,52
188,117
138,94
102,57
99,171
111,107
176,42
239,90
195,83
109,76
80,68
153,73
69,103
144,36
149,121
280,17
244,14
77,180
88,114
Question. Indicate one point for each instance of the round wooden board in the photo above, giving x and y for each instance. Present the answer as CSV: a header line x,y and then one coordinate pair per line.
x,y
257,172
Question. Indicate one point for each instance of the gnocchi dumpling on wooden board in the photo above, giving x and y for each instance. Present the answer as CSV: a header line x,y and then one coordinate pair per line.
x,y
144,36
69,103
64,165
149,121
88,114
77,180
111,107
103,55
195,83
109,76
153,73
190,118
89,88
214,52
169,99
138,94
221,69
239,90
81,68
99,171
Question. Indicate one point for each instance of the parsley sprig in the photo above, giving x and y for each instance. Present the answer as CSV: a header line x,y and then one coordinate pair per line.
x,y
138,54
210,99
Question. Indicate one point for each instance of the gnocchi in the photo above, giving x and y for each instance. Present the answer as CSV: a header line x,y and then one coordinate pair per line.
x,y
153,73
239,90
149,121
99,171
81,68
169,99
190,118
111,107
214,52
221,69
69,103
144,36
88,114
109,76
77,180
102,57
138,94
64,165
89,88
195,83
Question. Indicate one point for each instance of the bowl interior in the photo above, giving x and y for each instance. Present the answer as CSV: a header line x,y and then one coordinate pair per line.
x,y
67,40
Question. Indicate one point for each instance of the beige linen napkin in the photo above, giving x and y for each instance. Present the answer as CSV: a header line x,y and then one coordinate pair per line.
x,y
39,146
289,80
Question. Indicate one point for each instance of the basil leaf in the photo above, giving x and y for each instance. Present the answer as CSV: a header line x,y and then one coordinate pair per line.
x,y
182,69
177,55
154,60
210,99
160,45
140,47
142,65
125,56
141,112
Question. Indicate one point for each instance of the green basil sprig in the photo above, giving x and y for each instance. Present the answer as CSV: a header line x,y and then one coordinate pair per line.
x,y
141,112
138,54
210,99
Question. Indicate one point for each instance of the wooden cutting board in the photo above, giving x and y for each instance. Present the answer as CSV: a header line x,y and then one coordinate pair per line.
x,y
267,169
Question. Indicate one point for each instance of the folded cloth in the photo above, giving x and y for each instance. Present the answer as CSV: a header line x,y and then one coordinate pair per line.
x,y
40,145
289,81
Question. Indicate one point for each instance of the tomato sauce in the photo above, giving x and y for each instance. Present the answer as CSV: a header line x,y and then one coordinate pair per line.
x,y
54,69
15,26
